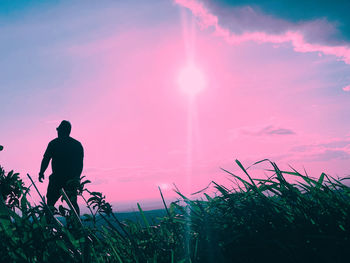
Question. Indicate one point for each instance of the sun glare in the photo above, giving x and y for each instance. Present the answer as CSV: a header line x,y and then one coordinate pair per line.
x,y
191,80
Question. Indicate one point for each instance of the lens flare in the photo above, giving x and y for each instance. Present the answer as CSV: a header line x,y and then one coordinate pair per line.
x,y
191,80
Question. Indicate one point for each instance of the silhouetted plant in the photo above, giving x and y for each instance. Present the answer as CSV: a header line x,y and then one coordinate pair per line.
x,y
11,188
257,220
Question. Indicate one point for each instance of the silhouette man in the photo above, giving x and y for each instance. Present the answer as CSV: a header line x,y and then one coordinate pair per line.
x,y
67,156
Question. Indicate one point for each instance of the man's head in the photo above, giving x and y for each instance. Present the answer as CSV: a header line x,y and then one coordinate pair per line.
x,y
63,130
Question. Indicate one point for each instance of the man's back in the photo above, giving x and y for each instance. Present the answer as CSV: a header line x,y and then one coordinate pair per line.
x,y
67,157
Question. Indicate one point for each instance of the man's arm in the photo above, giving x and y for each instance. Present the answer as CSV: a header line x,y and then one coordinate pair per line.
x,y
81,160
45,162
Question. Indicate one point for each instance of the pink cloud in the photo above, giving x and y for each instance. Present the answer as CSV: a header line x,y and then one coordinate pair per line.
x,y
268,130
206,19
335,151
347,88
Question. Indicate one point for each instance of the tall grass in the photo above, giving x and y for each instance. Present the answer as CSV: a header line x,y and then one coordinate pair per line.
x,y
257,220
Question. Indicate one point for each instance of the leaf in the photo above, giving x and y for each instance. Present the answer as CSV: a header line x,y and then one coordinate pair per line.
x,y
24,204
86,182
320,181
143,216
208,197
96,194
246,184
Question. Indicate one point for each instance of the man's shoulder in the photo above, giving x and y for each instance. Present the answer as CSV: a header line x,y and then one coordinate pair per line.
x,y
51,147
70,140
53,142
74,141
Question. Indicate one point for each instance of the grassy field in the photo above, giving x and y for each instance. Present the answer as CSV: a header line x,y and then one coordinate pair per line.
x,y
256,220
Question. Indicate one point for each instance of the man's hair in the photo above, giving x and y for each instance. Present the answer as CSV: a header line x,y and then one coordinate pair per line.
x,y
64,128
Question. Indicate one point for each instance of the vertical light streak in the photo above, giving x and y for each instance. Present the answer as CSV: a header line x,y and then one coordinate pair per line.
x,y
189,42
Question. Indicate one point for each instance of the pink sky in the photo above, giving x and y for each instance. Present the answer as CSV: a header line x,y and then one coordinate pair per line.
x,y
266,96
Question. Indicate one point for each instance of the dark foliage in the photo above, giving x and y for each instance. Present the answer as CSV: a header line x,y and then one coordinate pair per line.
x,y
269,220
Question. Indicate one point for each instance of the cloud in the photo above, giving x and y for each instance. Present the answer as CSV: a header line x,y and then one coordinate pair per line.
x,y
279,131
328,155
347,88
339,144
289,14
295,36
267,131
335,144
324,151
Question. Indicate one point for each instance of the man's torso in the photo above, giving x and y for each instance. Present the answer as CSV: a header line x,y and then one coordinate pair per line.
x,y
67,157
